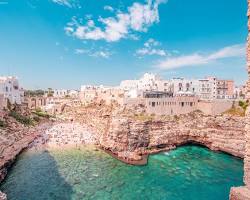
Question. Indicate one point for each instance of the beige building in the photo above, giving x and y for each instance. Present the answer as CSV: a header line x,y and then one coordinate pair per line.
x,y
225,89
91,94
160,103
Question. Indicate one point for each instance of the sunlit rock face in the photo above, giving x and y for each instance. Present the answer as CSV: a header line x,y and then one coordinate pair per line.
x,y
131,138
247,155
243,193
130,135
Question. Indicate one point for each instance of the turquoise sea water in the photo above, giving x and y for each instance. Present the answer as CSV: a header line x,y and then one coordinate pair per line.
x,y
187,173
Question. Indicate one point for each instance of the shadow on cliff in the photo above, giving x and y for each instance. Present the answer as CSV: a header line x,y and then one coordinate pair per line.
x,y
36,176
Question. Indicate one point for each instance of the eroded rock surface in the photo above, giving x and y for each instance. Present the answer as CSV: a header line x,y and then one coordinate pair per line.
x,y
131,134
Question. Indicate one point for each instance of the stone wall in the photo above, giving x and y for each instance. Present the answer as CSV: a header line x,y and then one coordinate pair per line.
x,y
214,107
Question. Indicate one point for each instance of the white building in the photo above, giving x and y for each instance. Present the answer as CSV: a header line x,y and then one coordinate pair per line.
x,y
9,87
204,89
129,85
181,85
60,93
65,93
148,82
207,88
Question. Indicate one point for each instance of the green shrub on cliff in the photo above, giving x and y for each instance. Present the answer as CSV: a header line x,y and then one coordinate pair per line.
x,y
20,118
41,114
243,104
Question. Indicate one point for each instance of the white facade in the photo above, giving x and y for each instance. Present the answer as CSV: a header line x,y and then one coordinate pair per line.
x,y
129,84
203,88
181,85
207,88
64,93
9,87
148,82
73,93
60,93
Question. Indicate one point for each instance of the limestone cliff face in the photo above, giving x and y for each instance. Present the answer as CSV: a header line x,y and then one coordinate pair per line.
x,y
130,138
14,138
130,133
247,153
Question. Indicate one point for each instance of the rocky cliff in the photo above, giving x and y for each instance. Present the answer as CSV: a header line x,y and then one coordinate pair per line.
x,y
15,137
129,134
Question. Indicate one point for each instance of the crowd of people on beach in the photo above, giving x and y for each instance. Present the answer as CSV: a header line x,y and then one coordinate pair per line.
x,y
61,134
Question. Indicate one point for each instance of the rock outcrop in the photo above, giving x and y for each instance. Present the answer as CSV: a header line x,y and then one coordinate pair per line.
x,y
243,193
14,138
130,134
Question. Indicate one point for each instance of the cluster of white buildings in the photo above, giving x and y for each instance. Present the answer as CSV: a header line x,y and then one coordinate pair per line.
x,y
206,89
159,96
12,92
168,97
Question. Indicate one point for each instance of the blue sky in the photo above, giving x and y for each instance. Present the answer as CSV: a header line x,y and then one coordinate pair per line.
x,y
66,43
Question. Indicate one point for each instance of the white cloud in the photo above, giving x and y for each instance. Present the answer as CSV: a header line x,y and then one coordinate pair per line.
x,y
202,59
151,47
68,3
109,8
103,53
80,51
139,17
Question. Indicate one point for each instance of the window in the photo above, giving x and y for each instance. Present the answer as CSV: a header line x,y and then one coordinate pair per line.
x,y
182,104
153,104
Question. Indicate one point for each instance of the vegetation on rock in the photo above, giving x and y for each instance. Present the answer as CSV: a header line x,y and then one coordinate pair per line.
x,y
38,112
21,118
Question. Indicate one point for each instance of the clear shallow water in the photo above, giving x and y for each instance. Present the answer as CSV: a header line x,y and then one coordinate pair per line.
x,y
187,173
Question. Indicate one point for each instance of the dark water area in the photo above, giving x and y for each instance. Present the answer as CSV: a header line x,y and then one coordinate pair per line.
x,y
187,173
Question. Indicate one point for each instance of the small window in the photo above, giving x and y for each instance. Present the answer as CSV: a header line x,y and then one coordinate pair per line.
x,y
153,104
